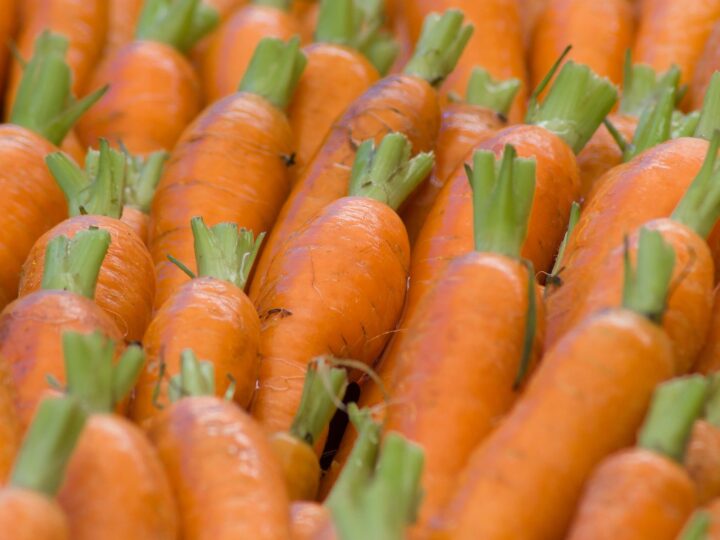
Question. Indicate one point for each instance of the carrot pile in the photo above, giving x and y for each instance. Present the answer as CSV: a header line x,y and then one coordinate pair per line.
x,y
360,269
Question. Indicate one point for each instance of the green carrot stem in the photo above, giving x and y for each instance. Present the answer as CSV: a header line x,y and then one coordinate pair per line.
x,y
196,378
575,105
642,85
557,267
699,208
710,113
178,23
442,41
503,190
712,404
382,50
283,5
386,172
93,376
225,252
697,527
684,125
324,388
675,406
74,264
48,445
484,91
44,101
141,178
646,286
530,326
274,70
654,125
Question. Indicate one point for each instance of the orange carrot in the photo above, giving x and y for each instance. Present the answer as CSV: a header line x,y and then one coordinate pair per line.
x,y
708,361
228,484
310,521
230,164
708,63
702,458
209,314
365,222
9,14
656,491
585,401
111,451
704,523
123,16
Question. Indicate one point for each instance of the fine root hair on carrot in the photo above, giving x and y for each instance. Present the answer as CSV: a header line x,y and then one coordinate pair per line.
x,y
178,23
709,121
196,378
697,527
44,102
442,40
642,85
484,91
74,264
141,178
49,443
386,172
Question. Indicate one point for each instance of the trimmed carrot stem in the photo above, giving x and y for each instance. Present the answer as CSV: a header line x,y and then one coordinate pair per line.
x,y
654,125
279,4
141,179
557,267
698,527
642,85
196,378
710,112
484,91
712,404
177,23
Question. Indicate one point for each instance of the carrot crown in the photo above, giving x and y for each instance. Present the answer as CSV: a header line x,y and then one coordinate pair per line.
x,y
697,527
48,445
387,173
442,41
196,378
574,106
710,112
44,102
283,5
699,208
357,24
484,91
554,277
142,175
178,23
224,252
323,389
646,286
642,85
93,376
274,70
675,406
74,264
378,492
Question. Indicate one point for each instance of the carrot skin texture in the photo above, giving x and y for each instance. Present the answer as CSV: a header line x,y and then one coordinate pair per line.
x,y
31,516
216,320
222,470
708,361
72,146
398,103
309,521
227,166
154,93
10,433
137,220
657,495
333,79
463,127
9,14
115,486
31,331
702,461
231,46
601,47
300,466
310,302
708,64
123,17
597,380
127,262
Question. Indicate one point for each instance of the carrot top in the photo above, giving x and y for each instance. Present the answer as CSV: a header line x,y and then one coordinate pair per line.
x,y
697,527
74,264
324,387
484,91
93,376
274,70
646,286
386,172
442,41
357,24
49,443
44,102
284,5
711,412
378,492
178,23
142,175
699,208
675,406
554,277
710,112
642,85
574,106
196,378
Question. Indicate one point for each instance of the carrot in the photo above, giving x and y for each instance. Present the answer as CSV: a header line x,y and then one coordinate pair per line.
x,y
9,14
227,484
704,523
323,388
32,325
530,13
599,46
42,115
585,401
337,73
496,44
310,521
306,310
464,125
406,103
111,451
708,361
123,16
708,63
27,503
209,314
243,140
231,48
83,25
656,492
95,199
